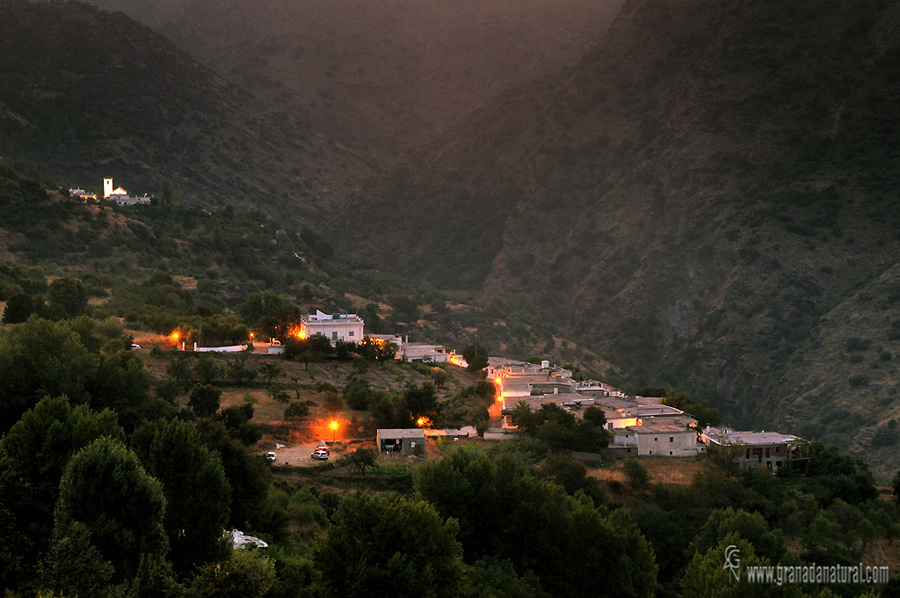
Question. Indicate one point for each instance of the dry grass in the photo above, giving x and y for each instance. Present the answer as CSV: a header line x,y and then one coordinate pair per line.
x,y
662,470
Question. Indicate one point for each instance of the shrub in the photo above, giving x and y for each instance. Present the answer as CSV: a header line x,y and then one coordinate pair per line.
x,y
296,411
855,343
637,474
858,380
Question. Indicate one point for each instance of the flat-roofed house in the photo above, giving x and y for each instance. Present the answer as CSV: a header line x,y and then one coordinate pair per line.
x,y
334,327
404,441
754,449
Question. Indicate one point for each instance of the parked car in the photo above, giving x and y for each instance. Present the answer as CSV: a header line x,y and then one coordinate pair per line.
x,y
270,456
320,455
135,346
322,447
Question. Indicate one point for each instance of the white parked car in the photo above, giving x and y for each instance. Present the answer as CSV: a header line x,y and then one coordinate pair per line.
x,y
270,456
321,455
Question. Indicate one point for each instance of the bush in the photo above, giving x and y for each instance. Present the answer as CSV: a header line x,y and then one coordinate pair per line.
x,y
858,380
296,411
637,474
885,436
855,343
357,394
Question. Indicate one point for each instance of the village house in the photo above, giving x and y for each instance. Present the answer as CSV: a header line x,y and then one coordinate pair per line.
x,y
82,194
757,449
622,412
655,440
334,327
403,441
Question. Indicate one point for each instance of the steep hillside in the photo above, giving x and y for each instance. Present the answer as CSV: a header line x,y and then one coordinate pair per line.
x,y
379,77
86,94
706,194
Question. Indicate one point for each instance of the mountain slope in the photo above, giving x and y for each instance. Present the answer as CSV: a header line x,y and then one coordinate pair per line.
x,y
86,94
699,195
379,77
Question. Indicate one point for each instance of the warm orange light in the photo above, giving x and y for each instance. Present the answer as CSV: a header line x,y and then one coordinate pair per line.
x,y
423,422
297,332
251,335
333,425
174,336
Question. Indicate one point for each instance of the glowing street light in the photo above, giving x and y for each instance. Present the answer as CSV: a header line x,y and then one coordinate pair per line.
x,y
334,426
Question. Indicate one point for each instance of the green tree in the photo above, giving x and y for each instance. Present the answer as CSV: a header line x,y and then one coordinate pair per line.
x,y
37,450
105,488
333,403
440,377
249,475
752,527
296,411
66,298
389,410
238,372
270,314
571,475
705,576
198,495
20,307
357,394
179,370
405,308
237,419
41,358
636,473
476,357
361,460
390,546
279,393
268,371
205,400
506,513
206,370
560,429
420,400
245,575
493,578
75,567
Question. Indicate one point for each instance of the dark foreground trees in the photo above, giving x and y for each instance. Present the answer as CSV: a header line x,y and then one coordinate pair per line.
x,y
506,513
390,546
112,510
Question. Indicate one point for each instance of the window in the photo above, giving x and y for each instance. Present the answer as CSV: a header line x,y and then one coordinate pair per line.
x,y
670,452
351,333
671,439
334,335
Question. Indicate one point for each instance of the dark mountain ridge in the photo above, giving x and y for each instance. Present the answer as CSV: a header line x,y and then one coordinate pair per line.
x,y
86,94
378,77
710,195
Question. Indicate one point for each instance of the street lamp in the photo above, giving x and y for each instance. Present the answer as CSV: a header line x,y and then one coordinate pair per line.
x,y
334,426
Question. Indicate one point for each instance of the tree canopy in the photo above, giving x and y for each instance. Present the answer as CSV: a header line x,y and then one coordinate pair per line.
x,y
390,546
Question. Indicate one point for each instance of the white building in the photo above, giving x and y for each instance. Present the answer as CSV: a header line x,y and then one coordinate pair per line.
x,y
81,193
661,440
756,449
336,327
120,196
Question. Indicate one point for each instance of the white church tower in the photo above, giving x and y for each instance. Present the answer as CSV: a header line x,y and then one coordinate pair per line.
x,y
107,188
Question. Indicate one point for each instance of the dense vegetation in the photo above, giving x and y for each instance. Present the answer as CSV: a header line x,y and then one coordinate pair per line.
x,y
708,195
215,275
105,497
118,482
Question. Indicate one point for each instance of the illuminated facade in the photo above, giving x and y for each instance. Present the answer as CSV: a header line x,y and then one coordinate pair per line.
x,y
336,327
